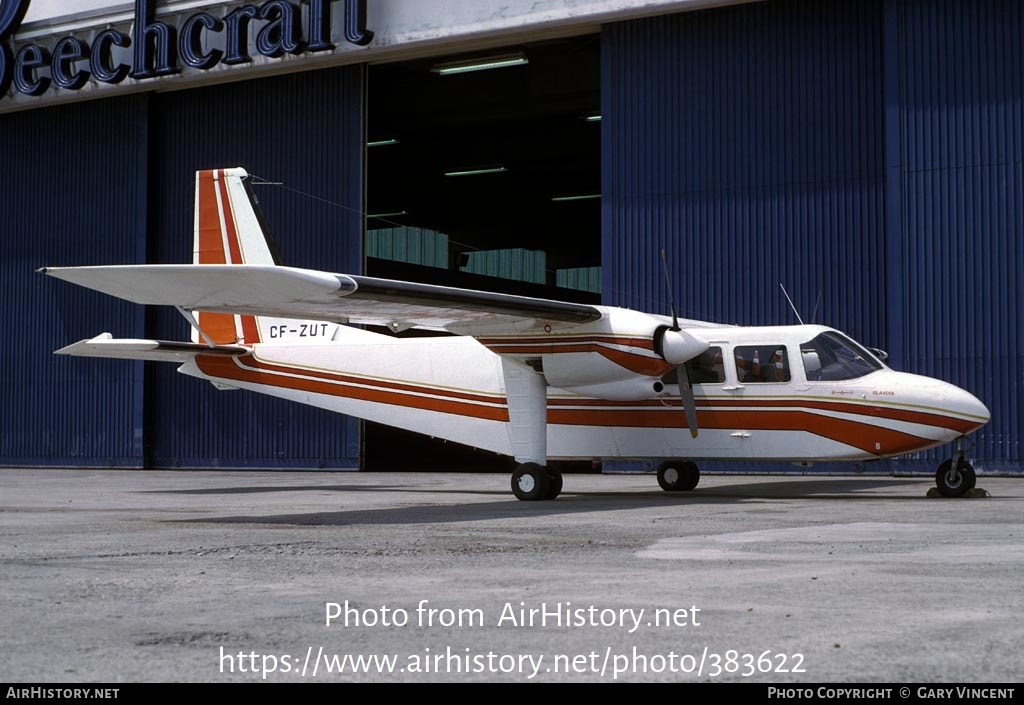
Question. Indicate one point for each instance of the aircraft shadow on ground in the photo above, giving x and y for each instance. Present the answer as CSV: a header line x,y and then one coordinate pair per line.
x,y
278,488
575,503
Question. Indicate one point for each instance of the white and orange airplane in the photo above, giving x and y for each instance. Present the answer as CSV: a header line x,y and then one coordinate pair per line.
x,y
536,379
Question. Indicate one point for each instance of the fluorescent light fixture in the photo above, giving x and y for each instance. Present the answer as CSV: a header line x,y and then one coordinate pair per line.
x,y
593,118
480,64
382,143
393,214
584,197
474,172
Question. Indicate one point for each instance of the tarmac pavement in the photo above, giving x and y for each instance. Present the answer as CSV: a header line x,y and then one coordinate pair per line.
x,y
131,576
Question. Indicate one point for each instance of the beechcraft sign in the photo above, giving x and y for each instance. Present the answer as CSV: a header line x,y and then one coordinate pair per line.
x,y
150,48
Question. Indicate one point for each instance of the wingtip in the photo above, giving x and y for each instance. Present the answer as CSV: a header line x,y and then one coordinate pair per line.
x,y
75,348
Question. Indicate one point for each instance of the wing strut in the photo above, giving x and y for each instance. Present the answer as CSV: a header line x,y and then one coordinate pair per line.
x,y
190,317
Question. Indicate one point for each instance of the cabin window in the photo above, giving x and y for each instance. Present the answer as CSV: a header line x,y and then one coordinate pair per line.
x,y
832,357
706,368
761,363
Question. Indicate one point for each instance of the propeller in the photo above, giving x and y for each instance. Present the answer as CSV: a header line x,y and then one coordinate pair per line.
x,y
678,346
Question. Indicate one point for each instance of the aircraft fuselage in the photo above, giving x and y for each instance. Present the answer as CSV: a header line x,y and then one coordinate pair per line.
x,y
795,393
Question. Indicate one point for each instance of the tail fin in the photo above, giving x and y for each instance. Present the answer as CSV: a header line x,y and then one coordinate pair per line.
x,y
229,229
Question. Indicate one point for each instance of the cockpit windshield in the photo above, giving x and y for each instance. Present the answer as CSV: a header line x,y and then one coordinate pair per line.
x,y
832,357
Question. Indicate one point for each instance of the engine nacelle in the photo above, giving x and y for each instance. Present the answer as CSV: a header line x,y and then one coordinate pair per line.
x,y
625,360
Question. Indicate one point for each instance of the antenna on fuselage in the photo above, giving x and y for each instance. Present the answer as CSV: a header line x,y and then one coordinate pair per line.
x,y
797,313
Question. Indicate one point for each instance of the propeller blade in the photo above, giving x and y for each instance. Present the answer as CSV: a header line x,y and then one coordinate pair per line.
x,y
681,346
686,394
668,288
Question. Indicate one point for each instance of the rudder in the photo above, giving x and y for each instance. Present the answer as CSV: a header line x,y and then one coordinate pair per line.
x,y
228,230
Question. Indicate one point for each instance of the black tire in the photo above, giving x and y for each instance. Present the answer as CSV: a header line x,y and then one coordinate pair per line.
x,y
678,475
554,484
530,482
955,483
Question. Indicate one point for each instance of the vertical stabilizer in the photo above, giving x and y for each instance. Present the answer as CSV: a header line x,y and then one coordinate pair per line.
x,y
228,230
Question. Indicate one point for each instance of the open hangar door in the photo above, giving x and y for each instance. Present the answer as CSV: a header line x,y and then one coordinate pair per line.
x,y
483,172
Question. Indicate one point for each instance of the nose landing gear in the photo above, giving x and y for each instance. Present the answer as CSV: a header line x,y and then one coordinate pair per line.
x,y
955,477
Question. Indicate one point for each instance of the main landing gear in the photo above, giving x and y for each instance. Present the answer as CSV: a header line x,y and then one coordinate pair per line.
x,y
532,482
678,475
955,477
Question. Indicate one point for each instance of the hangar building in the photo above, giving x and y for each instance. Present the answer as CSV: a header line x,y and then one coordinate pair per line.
x,y
866,153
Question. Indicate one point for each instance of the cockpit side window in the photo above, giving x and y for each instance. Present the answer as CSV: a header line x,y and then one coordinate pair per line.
x,y
761,363
832,357
706,368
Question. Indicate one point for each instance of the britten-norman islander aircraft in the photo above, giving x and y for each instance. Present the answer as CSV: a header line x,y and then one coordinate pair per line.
x,y
536,379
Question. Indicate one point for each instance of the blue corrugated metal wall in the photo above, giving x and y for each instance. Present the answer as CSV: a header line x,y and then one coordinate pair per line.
x,y
867,150
73,184
306,131
956,147
112,181
748,143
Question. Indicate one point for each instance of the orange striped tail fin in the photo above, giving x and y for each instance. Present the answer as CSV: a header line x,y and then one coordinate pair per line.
x,y
228,230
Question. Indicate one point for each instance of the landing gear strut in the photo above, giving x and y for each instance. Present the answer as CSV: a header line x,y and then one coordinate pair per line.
x,y
532,482
527,394
678,475
955,477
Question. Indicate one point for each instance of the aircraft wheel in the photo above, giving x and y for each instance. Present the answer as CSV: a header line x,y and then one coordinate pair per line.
x,y
678,476
972,479
955,482
554,483
530,482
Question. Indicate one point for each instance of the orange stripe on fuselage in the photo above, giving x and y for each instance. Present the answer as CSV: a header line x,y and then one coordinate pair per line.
x,y
233,369
868,437
634,362
644,343
255,362
876,412
863,436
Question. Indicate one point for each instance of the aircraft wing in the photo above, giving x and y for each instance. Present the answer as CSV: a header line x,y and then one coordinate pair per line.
x,y
288,292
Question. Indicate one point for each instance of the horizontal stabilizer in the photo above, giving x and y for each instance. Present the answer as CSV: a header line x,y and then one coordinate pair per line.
x,y
105,345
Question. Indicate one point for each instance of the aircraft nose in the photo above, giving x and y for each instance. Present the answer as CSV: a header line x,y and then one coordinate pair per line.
x,y
969,412
965,403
